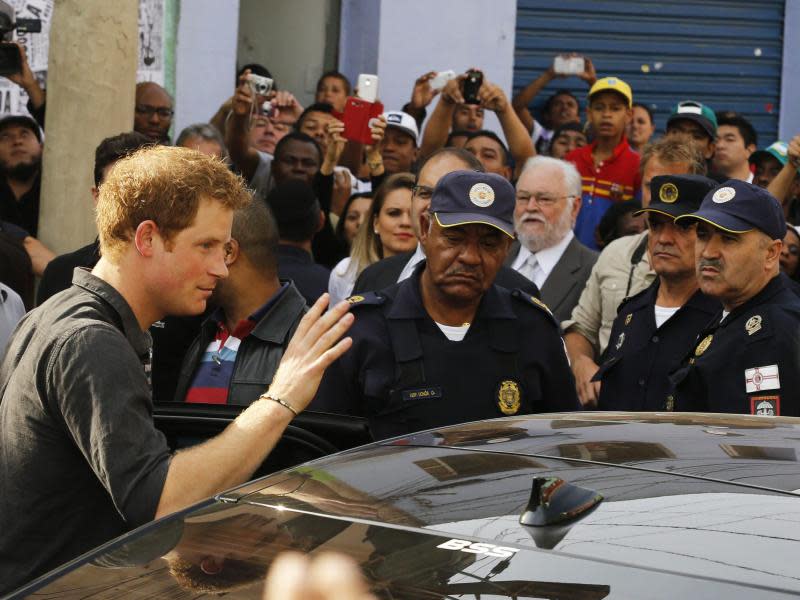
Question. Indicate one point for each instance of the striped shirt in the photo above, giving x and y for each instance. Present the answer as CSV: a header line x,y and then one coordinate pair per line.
x,y
213,374
614,180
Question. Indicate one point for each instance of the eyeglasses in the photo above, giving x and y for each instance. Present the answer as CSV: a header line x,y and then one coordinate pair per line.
x,y
541,199
423,192
145,109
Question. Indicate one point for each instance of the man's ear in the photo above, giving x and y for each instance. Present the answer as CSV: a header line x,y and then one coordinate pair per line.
x,y
773,254
232,252
424,224
147,237
95,194
712,148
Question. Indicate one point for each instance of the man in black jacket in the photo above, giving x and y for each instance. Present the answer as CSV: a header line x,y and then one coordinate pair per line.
x,y
241,343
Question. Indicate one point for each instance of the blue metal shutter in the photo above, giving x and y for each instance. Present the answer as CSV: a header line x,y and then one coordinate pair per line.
x,y
724,54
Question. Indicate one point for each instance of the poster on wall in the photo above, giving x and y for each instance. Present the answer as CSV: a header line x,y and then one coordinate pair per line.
x,y
13,99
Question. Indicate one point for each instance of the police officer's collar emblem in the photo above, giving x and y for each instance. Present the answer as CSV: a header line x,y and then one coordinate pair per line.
x,y
355,299
481,194
508,397
703,346
753,324
668,193
723,194
628,318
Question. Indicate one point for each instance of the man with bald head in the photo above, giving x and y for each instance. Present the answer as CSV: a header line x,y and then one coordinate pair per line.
x,y
153,112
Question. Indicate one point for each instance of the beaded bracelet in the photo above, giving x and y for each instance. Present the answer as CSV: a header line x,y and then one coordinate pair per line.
x,y
283,403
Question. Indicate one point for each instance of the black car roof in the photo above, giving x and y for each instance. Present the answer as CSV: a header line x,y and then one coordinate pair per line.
x,y
692,504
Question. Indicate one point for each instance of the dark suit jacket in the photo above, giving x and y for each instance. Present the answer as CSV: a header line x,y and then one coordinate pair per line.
x,y
385,272
563,287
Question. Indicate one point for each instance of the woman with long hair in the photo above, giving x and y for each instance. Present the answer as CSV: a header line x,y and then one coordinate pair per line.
x,y
385,232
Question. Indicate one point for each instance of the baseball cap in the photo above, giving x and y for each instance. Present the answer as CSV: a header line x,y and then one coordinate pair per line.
x,y
701,114
676,195
614,84
778,150
464,197
738,207
22,121
404,122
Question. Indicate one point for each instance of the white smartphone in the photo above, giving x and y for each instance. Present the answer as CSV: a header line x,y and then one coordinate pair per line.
x,y
368,87
569,65
441,78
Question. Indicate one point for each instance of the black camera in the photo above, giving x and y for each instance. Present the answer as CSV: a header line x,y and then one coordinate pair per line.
x,y
10,57
472,85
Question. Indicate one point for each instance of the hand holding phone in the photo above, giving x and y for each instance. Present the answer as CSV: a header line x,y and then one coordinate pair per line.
x,y
357,116
568,65
441,78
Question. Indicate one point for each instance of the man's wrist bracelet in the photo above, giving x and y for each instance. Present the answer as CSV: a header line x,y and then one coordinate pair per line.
x,y
283,403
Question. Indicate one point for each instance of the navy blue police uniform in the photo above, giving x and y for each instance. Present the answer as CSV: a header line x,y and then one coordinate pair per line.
x,y
745,361
640,356
404,374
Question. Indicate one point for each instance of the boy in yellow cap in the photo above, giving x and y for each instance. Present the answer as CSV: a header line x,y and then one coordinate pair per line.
x,y
608,167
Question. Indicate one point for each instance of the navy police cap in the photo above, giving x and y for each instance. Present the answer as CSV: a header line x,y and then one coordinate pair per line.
x,y
676,195
738,207
464,197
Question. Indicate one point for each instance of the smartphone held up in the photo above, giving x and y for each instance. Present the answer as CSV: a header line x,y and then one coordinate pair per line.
x,y
569,65
471,86
359,111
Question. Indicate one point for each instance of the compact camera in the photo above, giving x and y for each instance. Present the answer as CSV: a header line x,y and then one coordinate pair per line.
x,y
260,85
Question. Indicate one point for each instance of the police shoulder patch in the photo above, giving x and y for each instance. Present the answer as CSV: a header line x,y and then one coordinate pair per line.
x,y
366,299
535,302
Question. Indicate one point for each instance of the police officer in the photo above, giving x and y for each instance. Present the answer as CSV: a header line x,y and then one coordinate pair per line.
x,y
746,360
655,327
446,345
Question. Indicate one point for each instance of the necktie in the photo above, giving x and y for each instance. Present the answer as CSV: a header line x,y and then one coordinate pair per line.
x,y
532,270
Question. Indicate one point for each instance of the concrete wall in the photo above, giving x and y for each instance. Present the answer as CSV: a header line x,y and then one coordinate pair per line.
x,y
90,96
205,59
416,36
295,40
789,123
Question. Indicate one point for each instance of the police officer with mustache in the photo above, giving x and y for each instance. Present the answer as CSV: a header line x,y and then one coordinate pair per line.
x,y
746,359
654,328
447,345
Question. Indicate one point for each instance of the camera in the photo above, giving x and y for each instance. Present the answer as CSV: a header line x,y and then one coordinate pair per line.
x,y
260,85
10,57
472,85
268,110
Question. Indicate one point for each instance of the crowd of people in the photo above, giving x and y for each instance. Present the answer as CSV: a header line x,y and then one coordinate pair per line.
x,y
563,264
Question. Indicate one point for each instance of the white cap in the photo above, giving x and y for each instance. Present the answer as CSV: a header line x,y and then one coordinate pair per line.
x,y
404,122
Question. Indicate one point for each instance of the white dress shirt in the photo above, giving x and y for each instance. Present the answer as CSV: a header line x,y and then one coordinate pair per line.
x,y
416,258
537,267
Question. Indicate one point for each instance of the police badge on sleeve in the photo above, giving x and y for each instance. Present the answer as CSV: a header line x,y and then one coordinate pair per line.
x,y
765,406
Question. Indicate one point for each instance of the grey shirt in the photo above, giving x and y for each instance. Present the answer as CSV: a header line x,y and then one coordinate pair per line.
x,y
81,461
